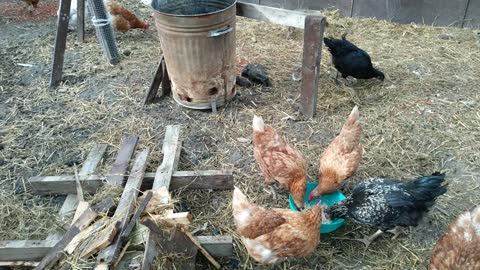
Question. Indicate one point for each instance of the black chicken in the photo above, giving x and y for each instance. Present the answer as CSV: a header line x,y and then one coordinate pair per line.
x,y
389,204
350,60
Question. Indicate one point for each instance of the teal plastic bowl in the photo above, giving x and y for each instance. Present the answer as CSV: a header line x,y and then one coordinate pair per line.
x,y
328,199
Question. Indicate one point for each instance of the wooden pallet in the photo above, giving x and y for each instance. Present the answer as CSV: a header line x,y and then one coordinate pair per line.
x,y
29,252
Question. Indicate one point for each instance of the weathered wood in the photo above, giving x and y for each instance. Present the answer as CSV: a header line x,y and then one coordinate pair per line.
x,y
60,43
133,221
171,149
92,229
217,246
157,80
272,15
54,255
150,251
19,264
120,166
166,83
102,240
174,241
25,250
106,206
202,250
183,218
93,159
81,20
312,48
126,205
65,184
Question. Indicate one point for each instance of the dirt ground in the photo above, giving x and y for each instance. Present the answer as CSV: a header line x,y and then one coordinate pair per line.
x,y
424,117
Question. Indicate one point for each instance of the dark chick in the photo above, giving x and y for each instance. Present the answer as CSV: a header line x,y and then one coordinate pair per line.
x,y
350,60
390,204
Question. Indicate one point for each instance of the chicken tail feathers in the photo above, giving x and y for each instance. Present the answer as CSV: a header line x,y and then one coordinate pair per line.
x,y
427,188
258,124
239,199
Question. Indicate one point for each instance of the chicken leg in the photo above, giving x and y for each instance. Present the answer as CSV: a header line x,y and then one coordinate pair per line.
x,y
368,240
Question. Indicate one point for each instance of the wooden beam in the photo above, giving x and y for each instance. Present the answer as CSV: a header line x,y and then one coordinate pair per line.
x,y
60,43
120,166
19,264
171,149
65,184
272,15
81,20
126,205
70,204
157,80
217,246
312,49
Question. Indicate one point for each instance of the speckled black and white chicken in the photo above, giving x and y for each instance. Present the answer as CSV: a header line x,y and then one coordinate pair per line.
x,y
389,204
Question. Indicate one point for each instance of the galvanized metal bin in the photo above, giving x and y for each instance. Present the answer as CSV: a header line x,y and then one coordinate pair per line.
x,y
198,42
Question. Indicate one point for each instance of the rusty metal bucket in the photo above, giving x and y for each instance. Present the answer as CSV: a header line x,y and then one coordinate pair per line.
x,y
198,42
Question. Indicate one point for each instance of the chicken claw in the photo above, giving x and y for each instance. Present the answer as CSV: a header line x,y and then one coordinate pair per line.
x,y
368,240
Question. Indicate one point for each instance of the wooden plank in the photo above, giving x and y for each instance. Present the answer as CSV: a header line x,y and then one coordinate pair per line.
x,y
64,184
105,206
208,179
272,15
157,80
90,230
93,159
133,221
120,166
312,48
202,250
21,264
171,149
81,20
25,250
217,246
126,205
60,43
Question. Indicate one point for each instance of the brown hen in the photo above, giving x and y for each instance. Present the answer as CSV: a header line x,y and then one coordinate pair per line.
x,y
459,247
341,158
279,161
272,235
124,20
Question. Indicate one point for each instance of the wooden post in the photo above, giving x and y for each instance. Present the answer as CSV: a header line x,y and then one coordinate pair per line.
x,y
312,49
81,20
60,43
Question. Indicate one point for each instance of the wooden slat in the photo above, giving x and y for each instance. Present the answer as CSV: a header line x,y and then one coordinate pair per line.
x,y
60,43
312,48
272,15
208,179
150,251
157,79
126,205
171,155
120,166
217,246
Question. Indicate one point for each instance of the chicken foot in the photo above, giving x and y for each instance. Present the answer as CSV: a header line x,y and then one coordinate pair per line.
x,y
368,240
397,231
274,193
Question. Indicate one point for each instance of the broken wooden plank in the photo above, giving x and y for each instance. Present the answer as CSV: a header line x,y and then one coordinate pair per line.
x,y
92,229
312,49
150,251
174,241
120,166
25,250
60,43
272,15
126,205
102,240
56,253
172,219
217,246
171,149
202,250
65,184
19,264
